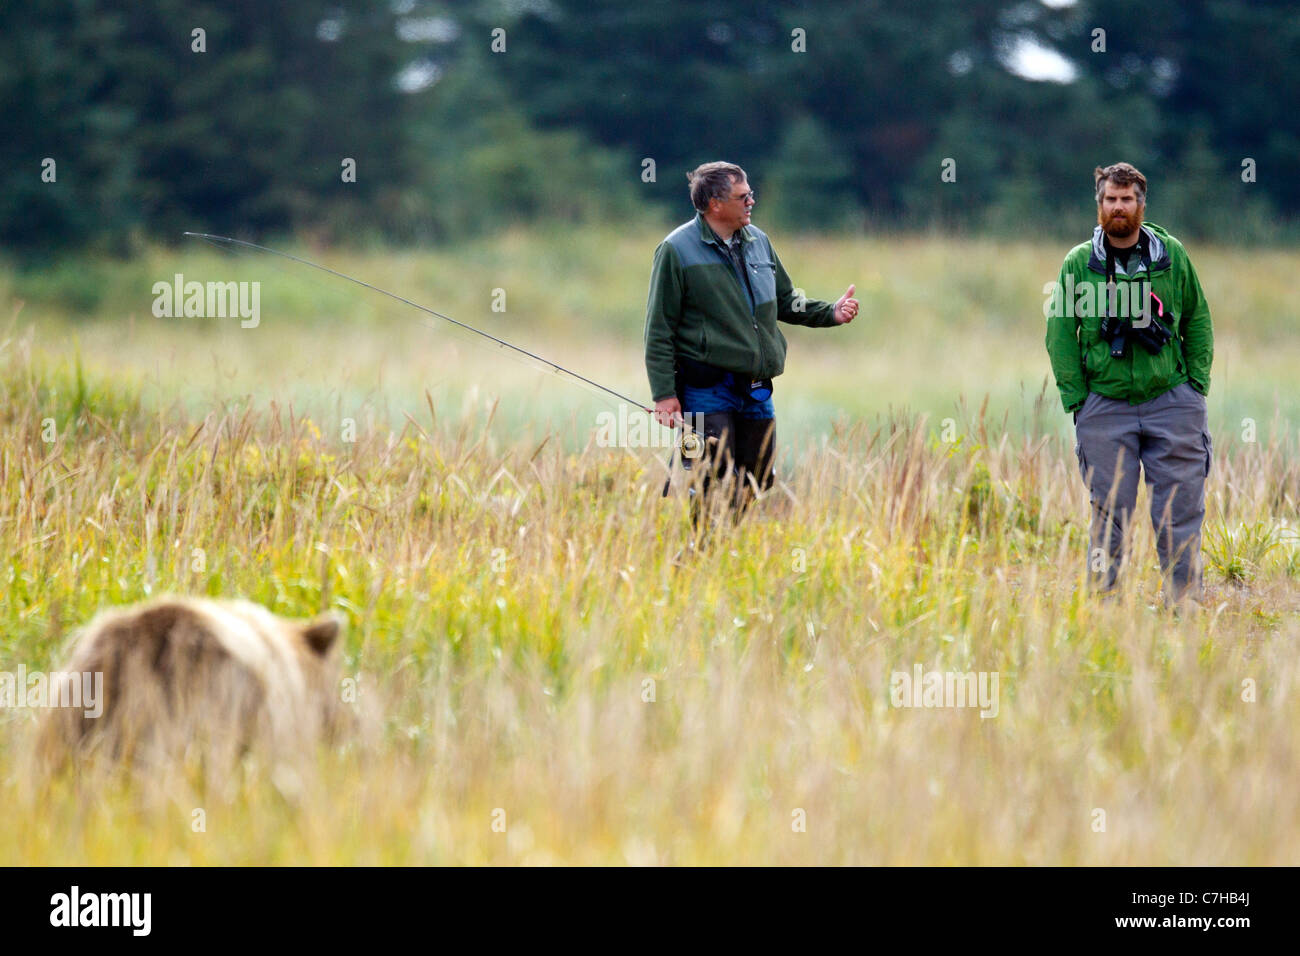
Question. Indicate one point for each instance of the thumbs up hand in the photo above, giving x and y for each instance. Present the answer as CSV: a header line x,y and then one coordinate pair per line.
x,y
846,307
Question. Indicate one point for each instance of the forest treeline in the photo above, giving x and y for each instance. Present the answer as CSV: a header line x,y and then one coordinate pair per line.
x,y
415,121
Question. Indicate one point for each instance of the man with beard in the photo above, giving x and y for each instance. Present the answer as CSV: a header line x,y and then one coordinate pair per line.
x,y
1130,341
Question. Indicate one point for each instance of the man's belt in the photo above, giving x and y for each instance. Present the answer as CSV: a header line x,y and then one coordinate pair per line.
x,y
696,374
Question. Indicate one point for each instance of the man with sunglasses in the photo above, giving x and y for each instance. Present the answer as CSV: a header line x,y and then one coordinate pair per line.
x,y
1131,345
712,346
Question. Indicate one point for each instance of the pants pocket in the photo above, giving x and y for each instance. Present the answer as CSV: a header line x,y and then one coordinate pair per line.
x,y
1209,450
1078,412
1088,404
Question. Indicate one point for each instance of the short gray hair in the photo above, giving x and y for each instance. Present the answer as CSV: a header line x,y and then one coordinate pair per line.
x,y
713,181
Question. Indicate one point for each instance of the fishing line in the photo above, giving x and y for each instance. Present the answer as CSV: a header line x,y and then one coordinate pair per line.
x,y
690,441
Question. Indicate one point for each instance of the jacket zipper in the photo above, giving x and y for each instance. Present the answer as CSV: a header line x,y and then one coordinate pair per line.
x,y
753,310
748,290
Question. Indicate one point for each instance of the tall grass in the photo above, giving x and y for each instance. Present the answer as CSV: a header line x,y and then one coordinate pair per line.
x,y
554,682
943,321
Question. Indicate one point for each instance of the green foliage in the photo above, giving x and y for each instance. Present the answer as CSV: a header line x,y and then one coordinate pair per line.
x,y
1239,554
843,114
71,283
487,168
810,180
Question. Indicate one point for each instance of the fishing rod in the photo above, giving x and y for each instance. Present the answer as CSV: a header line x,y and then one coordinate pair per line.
x,y
691,443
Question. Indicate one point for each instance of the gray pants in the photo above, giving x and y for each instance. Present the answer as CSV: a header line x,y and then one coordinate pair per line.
x,y
1170,437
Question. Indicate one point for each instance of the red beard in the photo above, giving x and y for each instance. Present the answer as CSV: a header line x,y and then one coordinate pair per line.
x,y
1119,226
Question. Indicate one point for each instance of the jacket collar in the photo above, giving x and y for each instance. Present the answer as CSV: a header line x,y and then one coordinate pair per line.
x,y
708,236
1155,245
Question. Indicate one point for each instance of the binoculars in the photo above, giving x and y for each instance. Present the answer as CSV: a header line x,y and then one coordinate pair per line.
x,y
1152,335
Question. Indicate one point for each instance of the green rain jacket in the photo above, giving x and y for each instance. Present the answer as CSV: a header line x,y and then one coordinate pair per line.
x,y
1082,362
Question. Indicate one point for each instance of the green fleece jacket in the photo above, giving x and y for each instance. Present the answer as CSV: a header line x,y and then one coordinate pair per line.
x,y
1081,360
700,308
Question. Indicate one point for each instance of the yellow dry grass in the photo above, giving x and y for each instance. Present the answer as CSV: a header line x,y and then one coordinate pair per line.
x,y
547,684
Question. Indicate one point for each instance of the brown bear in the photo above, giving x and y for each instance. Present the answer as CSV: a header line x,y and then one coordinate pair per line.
x,y
195,678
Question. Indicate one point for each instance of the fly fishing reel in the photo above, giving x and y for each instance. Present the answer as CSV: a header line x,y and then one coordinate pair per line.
x,y
691,444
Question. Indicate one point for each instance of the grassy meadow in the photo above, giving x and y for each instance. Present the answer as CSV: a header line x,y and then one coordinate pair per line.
x,y
533,650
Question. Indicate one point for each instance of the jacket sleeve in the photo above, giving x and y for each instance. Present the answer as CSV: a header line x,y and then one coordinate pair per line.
x,y
1195,330
798,310
662,315
1063,344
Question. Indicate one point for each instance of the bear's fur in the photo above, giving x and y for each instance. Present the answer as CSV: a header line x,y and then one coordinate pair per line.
x,y
188,678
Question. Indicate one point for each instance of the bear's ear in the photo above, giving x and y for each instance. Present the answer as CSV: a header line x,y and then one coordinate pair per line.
x,y
321,633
